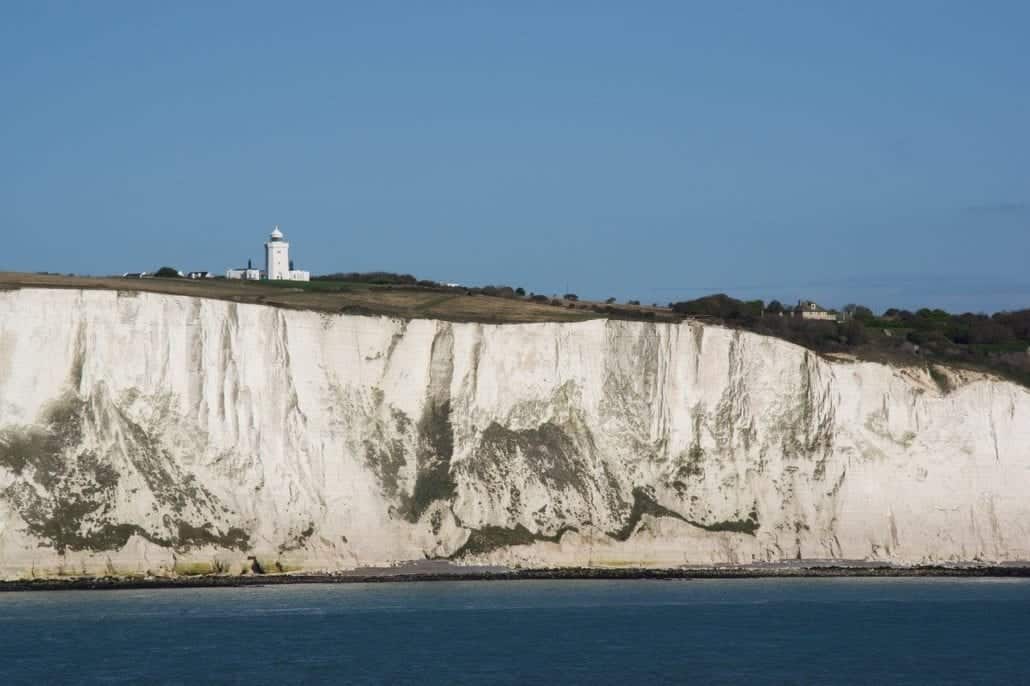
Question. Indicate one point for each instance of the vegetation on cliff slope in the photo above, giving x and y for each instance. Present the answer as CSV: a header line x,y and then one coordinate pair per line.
x,y
998,343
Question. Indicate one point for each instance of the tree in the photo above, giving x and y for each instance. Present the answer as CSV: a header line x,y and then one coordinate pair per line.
x,y
775,307
1018,322
984,330
571,296
379,278
859,312
168,272
520,291
853,332
609,301
722,306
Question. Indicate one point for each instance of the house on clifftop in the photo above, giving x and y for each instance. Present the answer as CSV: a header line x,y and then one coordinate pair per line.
x,y
806,309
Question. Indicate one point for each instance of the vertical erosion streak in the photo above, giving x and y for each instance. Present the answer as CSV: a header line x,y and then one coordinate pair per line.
x,y
477,355
78,357
195,381
433,480
698,332
661,420
294,420
994,427
228,399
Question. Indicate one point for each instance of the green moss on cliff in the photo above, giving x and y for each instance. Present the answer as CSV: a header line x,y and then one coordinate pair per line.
x,y
190,536
645,504
549,451
65,493
491,538
433,480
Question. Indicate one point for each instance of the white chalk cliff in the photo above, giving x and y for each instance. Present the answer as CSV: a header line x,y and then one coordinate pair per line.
x,y
143,432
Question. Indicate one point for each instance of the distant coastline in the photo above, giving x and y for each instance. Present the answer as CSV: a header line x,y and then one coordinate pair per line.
x,y
389,575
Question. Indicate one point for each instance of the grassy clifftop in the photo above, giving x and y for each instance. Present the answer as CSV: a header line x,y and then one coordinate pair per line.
x,y
401,301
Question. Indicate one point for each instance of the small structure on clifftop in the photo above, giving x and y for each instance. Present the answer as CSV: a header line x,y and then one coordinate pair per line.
x,y
807,309
248,273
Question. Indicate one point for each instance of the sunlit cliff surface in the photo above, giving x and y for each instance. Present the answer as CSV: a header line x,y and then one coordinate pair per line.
x,y
145,432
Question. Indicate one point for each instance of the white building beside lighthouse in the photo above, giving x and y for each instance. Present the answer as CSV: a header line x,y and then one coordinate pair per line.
x,y
278,266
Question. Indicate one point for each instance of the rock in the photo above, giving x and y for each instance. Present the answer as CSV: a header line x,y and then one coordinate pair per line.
x,y
140,431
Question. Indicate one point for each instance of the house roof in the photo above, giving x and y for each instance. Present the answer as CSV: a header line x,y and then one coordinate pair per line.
x,y
810,306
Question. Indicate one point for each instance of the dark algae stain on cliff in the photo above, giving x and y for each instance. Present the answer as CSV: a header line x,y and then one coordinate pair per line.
x,y
187,500
739,526
65,493
76,486
806,432
491,538
385,459
171,486
190,536
297,540
433,480
645,504
39,448
547,449
386,448
488,538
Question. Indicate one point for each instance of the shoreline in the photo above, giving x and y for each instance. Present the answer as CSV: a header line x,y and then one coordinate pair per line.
x,y
544,574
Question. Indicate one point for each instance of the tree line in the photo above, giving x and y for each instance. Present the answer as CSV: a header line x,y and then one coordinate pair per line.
x,y
999,342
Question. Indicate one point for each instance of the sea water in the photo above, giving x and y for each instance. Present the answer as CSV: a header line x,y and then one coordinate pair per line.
x,y
759,631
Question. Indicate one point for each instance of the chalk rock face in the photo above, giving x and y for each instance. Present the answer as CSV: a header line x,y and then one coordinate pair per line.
x,y
152,433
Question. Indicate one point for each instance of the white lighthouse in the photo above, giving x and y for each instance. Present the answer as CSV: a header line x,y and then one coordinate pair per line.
x,y
277,256
277,260
277,263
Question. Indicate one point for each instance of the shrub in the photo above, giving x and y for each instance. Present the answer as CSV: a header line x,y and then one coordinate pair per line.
x,y
370,277
722,306
859,312
853,332
498,291
168,273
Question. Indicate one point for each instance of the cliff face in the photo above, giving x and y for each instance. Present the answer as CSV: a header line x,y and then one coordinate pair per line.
x,y
149,432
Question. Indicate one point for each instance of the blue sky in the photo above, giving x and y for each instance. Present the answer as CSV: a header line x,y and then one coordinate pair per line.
x,y
841,151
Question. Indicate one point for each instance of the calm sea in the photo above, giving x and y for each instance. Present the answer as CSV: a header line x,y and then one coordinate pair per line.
x,y
817,631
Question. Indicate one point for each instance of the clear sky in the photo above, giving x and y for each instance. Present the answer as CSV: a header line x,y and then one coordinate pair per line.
x,y
876,152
